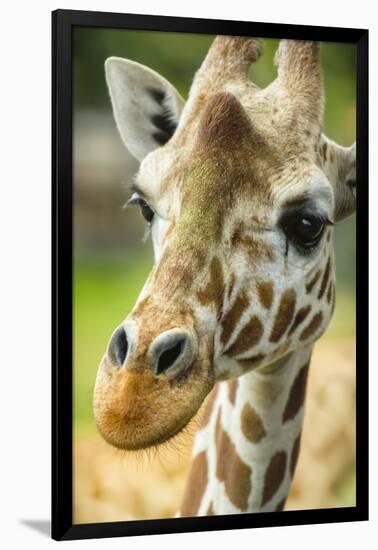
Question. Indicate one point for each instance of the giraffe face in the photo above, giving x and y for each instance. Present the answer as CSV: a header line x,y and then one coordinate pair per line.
x,y
239,239
240,214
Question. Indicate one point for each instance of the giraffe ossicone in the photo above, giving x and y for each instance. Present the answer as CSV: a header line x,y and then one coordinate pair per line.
x,y
241,191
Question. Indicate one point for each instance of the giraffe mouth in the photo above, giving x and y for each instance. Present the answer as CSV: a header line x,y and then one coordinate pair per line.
x,y
135,409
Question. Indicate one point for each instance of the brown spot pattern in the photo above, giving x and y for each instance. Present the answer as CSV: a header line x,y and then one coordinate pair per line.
x,y
232,284
310,285
256,249
274,476
232,317
333,300
213,291
294,455
325,277
265,293
313,326
253,247
297,394
251,424
230,469
284,315
324,151
195,487
209,404
329,292
248,337
232,389
299,318
237,235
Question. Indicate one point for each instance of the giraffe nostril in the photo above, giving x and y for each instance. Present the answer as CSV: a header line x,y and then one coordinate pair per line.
x,y
169,355
118,347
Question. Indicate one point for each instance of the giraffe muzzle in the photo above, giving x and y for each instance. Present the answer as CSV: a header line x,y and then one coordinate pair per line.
x,y
148,388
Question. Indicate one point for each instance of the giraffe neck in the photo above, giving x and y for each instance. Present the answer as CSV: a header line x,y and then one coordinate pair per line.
x,y
245,453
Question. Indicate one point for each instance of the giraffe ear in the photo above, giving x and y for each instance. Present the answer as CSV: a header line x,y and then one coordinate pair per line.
x,y
146,106
345,186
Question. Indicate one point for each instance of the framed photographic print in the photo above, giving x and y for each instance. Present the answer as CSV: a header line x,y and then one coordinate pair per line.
x,y
209,366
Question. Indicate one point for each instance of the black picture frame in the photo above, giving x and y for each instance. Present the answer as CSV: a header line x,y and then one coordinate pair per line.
x,y
63,22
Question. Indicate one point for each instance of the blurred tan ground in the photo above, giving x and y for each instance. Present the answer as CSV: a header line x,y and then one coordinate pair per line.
x,y
110,485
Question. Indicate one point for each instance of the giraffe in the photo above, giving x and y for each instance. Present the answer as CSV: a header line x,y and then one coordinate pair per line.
x,y
240,189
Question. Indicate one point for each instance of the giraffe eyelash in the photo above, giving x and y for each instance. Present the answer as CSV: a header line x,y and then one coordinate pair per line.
x,y
147,212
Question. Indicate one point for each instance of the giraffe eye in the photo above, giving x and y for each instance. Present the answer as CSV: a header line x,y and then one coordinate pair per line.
x,y
304,229
147,212
145,209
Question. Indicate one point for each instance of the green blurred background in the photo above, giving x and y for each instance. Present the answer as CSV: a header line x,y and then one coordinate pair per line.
x,y
111,262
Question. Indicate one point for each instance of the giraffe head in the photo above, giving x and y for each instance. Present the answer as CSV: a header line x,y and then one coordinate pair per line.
x,y
240,190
